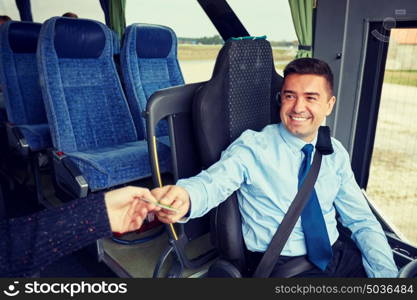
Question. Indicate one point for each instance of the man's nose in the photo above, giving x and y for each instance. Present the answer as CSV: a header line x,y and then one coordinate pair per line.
x,y
299,105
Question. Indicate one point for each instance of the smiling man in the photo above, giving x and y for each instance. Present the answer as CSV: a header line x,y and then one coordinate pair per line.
x,y
306,99
266,168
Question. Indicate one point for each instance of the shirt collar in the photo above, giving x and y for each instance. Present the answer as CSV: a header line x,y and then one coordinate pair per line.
x,y
293,142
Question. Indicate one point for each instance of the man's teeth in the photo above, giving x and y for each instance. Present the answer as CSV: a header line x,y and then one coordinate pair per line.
x,y
299,119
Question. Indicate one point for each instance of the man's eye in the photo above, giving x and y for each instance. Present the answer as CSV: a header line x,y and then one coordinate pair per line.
x,y
289,97
312,98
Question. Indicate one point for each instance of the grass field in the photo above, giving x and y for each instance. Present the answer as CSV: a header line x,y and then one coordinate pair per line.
x,y
197,61
393,175
403,77
209,52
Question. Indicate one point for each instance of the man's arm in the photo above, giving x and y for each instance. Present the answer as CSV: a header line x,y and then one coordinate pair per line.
x,y
377,256
126,210
34,241
198,194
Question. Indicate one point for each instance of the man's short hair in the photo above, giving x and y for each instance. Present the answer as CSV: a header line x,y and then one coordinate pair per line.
x,y
70,15
310,66
4,19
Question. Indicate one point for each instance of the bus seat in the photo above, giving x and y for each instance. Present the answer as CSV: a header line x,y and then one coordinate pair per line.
x,y
116,42
91,126
28,126
241,95
149,63
3,114
3,133
197,115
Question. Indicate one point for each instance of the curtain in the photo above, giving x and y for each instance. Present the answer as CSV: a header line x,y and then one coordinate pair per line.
x,y
117,16
25,10
302,16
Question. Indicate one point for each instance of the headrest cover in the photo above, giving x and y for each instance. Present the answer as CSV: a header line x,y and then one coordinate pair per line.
x,y
249,76
159,37
78,38
239,96
23,36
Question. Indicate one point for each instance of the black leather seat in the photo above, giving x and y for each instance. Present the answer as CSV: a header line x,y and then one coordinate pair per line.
x,y
242,94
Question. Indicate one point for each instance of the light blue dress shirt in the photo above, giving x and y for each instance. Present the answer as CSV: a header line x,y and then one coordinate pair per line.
x,y
263,167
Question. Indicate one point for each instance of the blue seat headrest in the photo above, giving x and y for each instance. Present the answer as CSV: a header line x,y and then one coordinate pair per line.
x,y
159,37
78,38
23,36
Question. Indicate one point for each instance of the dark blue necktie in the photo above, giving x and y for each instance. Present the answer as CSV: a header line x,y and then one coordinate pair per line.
x,y
319,250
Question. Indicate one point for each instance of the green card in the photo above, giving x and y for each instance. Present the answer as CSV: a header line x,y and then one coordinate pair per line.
x,y
167,207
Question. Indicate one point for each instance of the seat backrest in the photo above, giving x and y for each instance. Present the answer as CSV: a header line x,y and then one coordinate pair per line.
x,y
19,73
84,100
241,95
149,63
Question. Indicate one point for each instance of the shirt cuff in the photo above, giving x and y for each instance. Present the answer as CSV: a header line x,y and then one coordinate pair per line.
x,y
194,190
186,217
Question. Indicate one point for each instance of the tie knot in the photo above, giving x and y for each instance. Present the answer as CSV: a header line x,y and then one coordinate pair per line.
x,y
307,149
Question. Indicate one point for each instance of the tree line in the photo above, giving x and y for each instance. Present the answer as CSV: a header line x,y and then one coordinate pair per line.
x,y
216,40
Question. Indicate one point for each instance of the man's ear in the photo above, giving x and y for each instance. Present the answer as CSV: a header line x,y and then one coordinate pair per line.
x,y
330,104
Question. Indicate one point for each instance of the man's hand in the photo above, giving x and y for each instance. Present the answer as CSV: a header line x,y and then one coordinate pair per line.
x,y
174,196
125,209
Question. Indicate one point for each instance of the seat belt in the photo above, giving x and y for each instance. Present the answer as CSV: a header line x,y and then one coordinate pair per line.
x,y
271,255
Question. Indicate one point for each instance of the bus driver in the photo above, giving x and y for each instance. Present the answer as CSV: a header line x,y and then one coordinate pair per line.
x,y
266,168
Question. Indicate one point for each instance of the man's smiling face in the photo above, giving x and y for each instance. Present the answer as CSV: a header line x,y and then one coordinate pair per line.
x,y
305,101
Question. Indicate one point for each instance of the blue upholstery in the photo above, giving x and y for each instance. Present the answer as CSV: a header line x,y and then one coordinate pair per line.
x,y
116,42
37,136
3,115
88,114
149,63
20,82
164,139
111,166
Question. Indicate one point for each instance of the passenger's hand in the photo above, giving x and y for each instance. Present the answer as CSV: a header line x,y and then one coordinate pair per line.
x,y
174,196
125,209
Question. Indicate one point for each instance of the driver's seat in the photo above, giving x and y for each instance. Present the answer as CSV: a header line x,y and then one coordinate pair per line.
x,y
242,94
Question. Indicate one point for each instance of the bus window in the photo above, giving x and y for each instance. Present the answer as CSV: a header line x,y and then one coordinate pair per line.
x,y
9,8
198,40
392,181
273,19
45,9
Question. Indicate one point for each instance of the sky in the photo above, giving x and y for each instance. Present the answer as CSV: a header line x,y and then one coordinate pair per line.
x,y
185,17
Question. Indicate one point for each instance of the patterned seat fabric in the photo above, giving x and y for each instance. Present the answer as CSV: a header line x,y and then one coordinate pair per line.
x,y
20,82
88,114
241,95
149,63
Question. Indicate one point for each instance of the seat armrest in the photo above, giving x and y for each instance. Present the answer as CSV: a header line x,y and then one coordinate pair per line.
x,y
16,139
169,101
164,104
224,269
68,177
